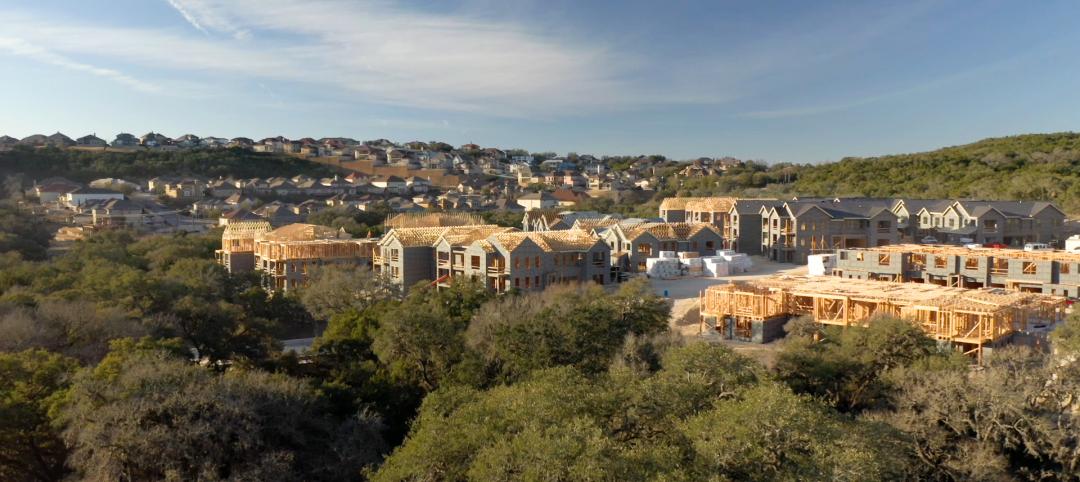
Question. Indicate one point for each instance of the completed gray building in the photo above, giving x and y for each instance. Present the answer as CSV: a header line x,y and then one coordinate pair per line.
x,y
1047,272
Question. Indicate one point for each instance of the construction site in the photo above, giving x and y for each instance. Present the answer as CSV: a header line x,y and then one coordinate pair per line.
x,y
973,320
285,255
1046,272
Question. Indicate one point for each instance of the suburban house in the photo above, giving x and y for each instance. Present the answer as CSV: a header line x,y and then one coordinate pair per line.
x,y
537,200
118,213
53,191
796,229
91,141
186,190
568,197
239,216
83,195
125,140
392,184
632,244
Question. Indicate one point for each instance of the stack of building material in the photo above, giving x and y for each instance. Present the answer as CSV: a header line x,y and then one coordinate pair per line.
x,y
663,268
715,266
820,264
737,262
668,254
694,266
688,254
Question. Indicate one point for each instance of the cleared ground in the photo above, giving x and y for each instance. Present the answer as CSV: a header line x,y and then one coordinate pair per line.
x,y
684,292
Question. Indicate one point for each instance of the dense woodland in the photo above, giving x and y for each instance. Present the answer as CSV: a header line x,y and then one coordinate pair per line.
x,y
142,359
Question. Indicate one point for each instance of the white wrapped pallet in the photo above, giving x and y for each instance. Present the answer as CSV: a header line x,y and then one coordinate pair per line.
x,y
692,261
820,264
668,254
663,268
725,252
716,267
689,254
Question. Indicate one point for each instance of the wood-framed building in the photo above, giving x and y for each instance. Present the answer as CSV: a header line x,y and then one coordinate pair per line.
x,y
237,253
972,320
287,255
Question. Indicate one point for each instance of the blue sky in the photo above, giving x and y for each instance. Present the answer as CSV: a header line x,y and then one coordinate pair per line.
x,y
782,81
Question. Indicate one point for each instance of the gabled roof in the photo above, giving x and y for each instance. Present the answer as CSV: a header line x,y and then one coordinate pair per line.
x,y
548,217
666,231
93,190
465,235
753,206
121,205
676,203
1012,209
710,204
841,208
415,237
241,215
568,195
930,205
593,224
537,196
566,240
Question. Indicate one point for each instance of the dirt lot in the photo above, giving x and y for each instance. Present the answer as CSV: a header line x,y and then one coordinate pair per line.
x,y
684,293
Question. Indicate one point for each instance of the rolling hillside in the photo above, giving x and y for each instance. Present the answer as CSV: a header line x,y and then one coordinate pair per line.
x,y
1035,166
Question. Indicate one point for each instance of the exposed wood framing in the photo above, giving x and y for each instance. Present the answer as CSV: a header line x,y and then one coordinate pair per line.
x,y
970,319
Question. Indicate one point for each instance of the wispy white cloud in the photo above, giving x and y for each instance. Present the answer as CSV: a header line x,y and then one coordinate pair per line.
x,y
22,48
180,7
382,51
204,16
373,51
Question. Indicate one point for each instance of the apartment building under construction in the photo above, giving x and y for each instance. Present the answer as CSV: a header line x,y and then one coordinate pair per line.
x,y
287,256
971,319
1047,272
504,257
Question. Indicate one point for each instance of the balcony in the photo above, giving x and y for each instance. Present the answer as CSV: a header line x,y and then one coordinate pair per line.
x,y
496,270
376,259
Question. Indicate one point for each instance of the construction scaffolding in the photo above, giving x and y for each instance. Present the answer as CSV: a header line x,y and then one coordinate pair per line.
x,y
970,319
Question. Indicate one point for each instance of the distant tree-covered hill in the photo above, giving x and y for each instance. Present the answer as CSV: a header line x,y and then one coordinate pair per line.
x,y
88,165
1027,167
1035,166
